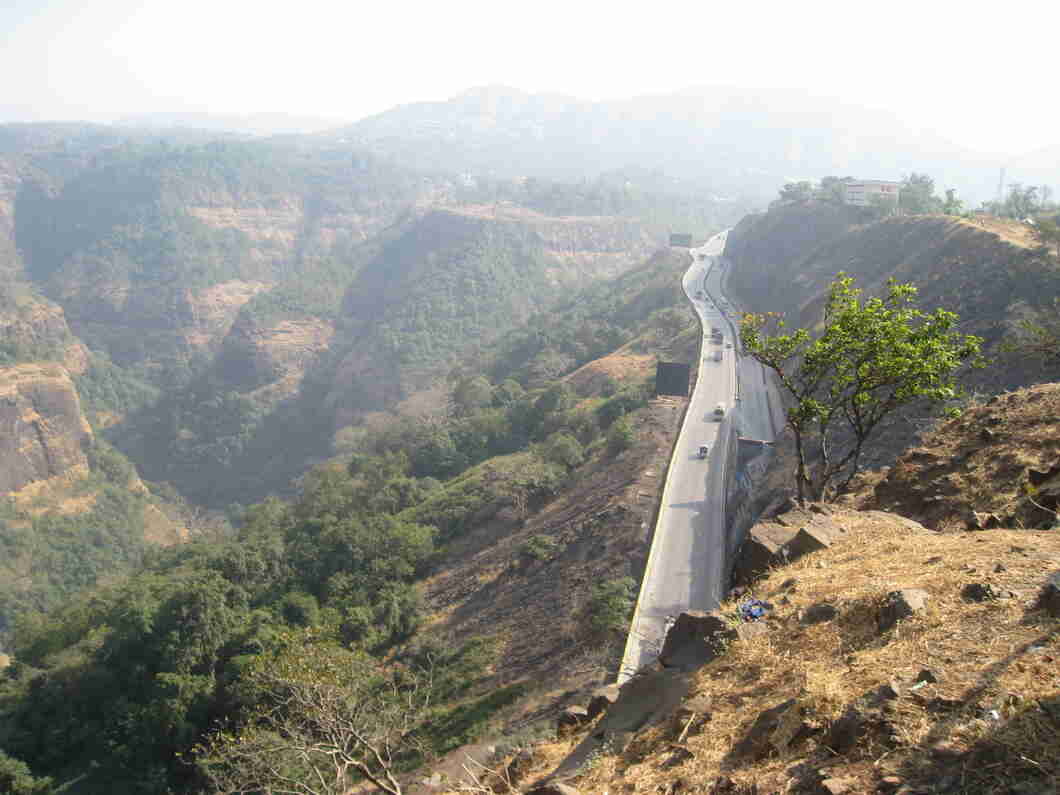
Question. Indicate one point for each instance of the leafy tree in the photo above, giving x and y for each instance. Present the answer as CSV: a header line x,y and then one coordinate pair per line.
x,y
1022,201
881,206
1047,233
872,358
16,778
917,195
327,717
797,191
952,205
563,449
833,189
621,436
471,394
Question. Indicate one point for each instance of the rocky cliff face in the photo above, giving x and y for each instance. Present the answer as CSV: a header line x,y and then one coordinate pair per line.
x,y
269,360
35,328
42,429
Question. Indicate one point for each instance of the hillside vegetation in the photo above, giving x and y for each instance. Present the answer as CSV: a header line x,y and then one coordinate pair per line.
x,y
121,683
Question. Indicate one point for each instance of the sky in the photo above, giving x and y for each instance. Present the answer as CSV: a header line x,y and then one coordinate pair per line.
x,y
984,80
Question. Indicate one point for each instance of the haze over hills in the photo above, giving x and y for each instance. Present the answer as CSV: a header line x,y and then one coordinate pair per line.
x,y
424,345
737,140
256,124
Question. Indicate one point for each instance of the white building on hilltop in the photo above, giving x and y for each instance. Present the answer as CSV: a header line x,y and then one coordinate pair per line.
x,y
860,193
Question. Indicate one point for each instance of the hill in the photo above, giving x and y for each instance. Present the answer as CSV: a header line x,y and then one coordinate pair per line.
x,y
505,486
987,270
821,697
736,141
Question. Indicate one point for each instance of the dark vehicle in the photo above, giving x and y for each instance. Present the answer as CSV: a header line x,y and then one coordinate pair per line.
x,y
703,450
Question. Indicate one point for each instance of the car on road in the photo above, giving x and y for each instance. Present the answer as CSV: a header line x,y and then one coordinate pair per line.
x,y
719,412
703,450
717,355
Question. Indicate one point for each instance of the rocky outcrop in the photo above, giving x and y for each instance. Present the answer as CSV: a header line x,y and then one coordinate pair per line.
x,y
695,639
42,429
255,356
134,323
33,328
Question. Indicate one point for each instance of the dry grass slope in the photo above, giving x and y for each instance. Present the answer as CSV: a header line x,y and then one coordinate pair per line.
x,y
992,718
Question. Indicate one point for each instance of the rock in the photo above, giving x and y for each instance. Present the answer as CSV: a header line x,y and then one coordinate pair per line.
x,y
601,699
926,675
1000,567
789,585
571,718
900,605
818,613
553,788
889,783
978,592
44,432
845,731
760,551
773,730
883,693
837,786
933,560
1049,598
810,538
695,639
821,508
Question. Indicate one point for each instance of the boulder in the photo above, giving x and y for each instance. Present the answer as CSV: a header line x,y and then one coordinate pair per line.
x,y
900,605
978,592
773,731
845,731
695,639
760,551
818,613
810,538
601,699
1049,598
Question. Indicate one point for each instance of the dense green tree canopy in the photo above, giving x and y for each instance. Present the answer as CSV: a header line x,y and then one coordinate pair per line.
x,y
872,357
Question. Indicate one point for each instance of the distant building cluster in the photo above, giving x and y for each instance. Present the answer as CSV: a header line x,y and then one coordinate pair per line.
x,y
860,193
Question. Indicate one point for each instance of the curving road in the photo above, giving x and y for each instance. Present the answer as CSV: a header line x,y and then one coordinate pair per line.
x,y
686,566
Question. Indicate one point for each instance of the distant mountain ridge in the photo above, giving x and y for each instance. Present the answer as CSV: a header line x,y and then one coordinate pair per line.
x,y
734,139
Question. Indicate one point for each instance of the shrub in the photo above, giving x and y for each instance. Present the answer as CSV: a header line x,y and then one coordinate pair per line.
x,y
621,436
563,449
611,605
539,547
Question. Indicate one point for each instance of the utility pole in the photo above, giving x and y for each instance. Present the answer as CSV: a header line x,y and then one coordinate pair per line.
x,y
1001,191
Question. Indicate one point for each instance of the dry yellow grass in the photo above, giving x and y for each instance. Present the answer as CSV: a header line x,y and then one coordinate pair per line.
x,y
995,662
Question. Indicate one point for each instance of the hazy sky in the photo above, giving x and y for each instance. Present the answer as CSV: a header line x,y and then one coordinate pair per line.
x,y
984,80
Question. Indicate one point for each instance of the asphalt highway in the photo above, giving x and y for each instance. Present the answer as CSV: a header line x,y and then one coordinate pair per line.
x,y
686,566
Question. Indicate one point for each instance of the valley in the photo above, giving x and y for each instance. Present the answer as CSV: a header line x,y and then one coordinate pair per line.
x,y
359,401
